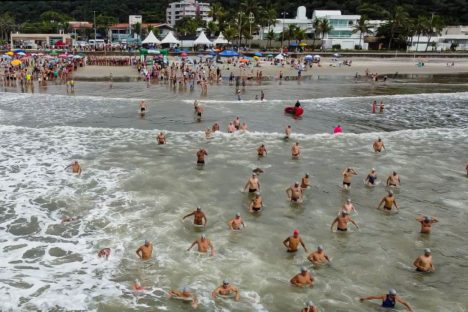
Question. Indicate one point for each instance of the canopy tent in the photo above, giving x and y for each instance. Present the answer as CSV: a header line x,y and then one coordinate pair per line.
x,y
228,53
202,40
220,39
151,38
279,57
170,39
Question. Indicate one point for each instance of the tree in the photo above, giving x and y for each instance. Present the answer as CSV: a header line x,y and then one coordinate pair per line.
x,y
229,33
7,24
300,34
434,28
397,20
137,29
290,33
316,25
420,28
270,36
325,27
362,27
212,28
188,26
54,21
104,22
216,11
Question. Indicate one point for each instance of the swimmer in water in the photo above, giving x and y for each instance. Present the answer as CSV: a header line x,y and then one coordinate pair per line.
x,y
256,204
348,206
231,128
144,252
378,145
388,201
292,242
161,138
142,107
199,111
203,245
426,223
75,167
208,133
215,127
374,107
302,279
348,173
104,253
201,156
288,132
310,307
237,123
342,221
262,95
253,184
195,106
226,289
382,107
371,178
295,193
137,286
69,219
295,151
423,263
319,256
235,224
184,293
199,217
261,151
393,179
389,300
244,127
305,182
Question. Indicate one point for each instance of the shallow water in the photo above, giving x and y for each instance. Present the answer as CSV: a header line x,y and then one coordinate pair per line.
x,y
131,190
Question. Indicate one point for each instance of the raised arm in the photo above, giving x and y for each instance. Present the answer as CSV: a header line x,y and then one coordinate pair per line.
x,y
205,220
395,204
286,242
236,290
139,253
212,248
288,190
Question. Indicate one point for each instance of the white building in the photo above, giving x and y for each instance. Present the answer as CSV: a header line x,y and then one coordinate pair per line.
x,y
300,21
451,35
187,8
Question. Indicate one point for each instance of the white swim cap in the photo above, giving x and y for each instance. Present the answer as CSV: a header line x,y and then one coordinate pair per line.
x,y
348,200
373,169
185,289
198,208
392,291
237,214
311,304
320,247
296,183
304,269
203,236
427,250
225,282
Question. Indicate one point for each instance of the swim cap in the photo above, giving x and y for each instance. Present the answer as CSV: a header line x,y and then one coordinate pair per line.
x,y
296,232
373,169
392,291
427,250
306,174
348,200
185,289
296,183
344,212
203,236
320,247
390,192
310,304
147,241
198,208
225,282
254,174
257,193
137,282
237,214
304,269
427,218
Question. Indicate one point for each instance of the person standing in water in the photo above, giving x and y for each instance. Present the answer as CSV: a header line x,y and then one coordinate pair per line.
x,y
253,184
261,151
256,204
374,107
199,111
319,256
347,174
294,193
292,242
305,182
393,179
235,224
426,223
145,251
337,129
342,221
302,279
262,96
378,145
288,132
203,245
382,107
161,138
238,95
389,300
199,217
310,307
371,178
423,263
142,107
104,253
237,123
348,206
295,151
75,167
388,201
226,289
201,156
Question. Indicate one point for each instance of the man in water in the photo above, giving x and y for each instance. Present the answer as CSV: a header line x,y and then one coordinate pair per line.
x,y
292,242
75,167
208,133
310,307
226,289
348,206
342,221
262,95
466,169
294,193
295,151
374,107
389,300
423,263
302,279
215,127
184,293
235,224
378,145
388,201
371,178
198,111
104,252
142,107
237,123
426,223
253,184
319,256
382,107
305,182
348,173
288,132
231,128
201,156
203,244
199,217
161,138
393,179
257,203
145,251
261,151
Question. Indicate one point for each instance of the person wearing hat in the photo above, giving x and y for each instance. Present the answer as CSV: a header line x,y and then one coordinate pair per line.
x,y
389,300
348,206
256,204
261,151
294,193
302,279
145,251
199,217
253,184
295,151
203,245
319,256
305,183
235,224
393,179
423,263
388,201
226,289
371,178
426,223
185,294
378,145
310,307
292,242
342,221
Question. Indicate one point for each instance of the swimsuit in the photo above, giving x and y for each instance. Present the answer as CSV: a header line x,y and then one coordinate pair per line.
x,y
347,183
342,230
252,190
371,179
388,208
388,302
202,162
142,109
256,209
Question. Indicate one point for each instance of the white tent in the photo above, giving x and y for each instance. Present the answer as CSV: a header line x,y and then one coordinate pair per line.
x,y
202,40
279,57
151,39
170,39
220,39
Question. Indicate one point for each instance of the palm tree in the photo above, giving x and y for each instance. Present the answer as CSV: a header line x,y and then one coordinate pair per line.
x,y
362,27
325,27
215,11
434,28
300,35
250,6
420,27
290,33
212,28
7,24
397,20
229,33
270,36
316,25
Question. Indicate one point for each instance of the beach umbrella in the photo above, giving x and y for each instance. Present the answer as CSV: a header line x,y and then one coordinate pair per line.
x,y
279,57
77,56
9,53
336,55
19,51
228,53
303,44
54,53
270,55
6,57
64,55
143,51
256,58
16,62
153,51
183,54
308,57
258,54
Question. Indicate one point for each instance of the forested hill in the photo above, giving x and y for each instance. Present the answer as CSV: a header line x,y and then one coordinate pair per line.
x,y
454,12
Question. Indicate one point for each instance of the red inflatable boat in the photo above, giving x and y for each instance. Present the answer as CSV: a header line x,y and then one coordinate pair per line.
x,y
297,112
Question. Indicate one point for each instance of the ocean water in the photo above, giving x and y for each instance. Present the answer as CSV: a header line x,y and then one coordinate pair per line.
x,y
131,189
